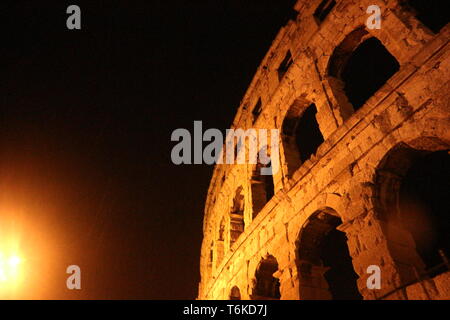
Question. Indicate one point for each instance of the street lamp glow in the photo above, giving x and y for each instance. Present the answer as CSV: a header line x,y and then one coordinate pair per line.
x,y
14,261
9,270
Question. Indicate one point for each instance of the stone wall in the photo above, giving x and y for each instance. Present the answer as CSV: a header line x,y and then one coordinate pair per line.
x,y
349,174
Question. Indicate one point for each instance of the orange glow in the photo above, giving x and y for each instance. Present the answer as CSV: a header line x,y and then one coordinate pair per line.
x,y
27,255
11,267
32,247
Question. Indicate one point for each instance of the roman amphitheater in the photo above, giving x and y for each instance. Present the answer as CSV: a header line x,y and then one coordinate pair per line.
x,y
363,186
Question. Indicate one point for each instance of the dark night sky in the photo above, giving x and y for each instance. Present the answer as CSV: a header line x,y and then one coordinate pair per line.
x,y
85,124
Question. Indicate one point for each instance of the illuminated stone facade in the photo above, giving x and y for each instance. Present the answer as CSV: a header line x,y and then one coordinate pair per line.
x,y
345,156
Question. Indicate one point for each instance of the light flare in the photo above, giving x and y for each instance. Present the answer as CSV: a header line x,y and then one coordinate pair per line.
x,y
10,267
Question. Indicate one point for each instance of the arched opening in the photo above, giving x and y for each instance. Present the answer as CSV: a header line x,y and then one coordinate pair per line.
x,y
324,263
301,135
433,14
257,109
237,224
235,293
367,70
285,65
358,68
424,203
414,193
220,243
324,9
262,187
307,133
267,287
210,261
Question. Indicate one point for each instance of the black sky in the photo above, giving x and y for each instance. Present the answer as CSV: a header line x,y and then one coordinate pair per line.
x,y
85,124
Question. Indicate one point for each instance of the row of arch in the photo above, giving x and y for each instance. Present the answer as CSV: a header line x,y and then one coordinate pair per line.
x,y
324,265
360,64
300,132
413,197
358,67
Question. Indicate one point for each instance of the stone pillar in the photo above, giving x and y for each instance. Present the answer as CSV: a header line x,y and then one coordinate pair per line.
x,y
289,285
368,246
